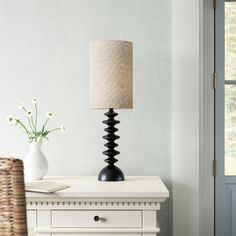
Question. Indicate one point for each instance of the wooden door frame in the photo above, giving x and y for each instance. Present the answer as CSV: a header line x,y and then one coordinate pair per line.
x,y
207,124
192,97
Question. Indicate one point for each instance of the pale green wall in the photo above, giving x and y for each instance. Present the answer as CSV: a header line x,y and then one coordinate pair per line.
x,y
44,53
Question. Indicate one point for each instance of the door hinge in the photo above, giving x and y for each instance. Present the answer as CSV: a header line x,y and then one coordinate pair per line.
x,y
214,80
214,4
214,168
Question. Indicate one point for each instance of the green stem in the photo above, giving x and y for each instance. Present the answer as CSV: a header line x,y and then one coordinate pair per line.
x,y
41,139
31,126
45,124
32,122
23,126
53,130
36,115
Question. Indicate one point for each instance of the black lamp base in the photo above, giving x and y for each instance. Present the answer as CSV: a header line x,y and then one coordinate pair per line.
x,y
111,173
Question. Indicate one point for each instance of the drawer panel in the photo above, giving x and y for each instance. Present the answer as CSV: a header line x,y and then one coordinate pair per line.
x,y
97,234
31,218
31,222
107,219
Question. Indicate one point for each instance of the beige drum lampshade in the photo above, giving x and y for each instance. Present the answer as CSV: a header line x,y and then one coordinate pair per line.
x,y
111,74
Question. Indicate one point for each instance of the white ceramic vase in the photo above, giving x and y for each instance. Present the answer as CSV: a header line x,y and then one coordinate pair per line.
x,y
35,163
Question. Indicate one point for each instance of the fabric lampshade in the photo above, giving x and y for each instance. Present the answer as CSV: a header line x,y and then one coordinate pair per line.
x,y
111,74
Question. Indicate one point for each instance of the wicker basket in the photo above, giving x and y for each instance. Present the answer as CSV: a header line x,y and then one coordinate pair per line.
x,y
12,198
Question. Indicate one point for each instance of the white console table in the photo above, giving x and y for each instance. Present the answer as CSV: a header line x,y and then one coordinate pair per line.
x,y
92,208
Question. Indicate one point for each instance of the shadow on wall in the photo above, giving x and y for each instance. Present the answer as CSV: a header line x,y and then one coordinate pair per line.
x,y
165,215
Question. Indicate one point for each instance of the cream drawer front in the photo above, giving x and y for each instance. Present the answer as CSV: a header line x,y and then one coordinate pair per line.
x,y
109,219
31,222
95,234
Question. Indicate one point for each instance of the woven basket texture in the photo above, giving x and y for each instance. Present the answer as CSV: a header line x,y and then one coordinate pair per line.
x,y
13,220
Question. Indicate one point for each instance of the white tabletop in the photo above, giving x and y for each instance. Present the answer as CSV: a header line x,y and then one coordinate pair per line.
x,y
90,187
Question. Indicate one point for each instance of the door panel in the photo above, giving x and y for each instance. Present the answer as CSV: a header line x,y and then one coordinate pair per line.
x,y
225,119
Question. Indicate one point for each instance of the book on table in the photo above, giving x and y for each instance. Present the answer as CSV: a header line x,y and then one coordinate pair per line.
x,y
44,186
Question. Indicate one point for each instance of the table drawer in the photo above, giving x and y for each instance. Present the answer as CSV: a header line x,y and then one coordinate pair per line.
x,y
96,219
31,222
100,234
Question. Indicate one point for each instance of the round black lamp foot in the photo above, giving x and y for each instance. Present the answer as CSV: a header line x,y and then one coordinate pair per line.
x,y
111,173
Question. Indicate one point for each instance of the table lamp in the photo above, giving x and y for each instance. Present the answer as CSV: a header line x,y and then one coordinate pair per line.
x,y
111,87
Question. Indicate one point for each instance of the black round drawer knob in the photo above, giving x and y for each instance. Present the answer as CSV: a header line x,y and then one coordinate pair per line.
x,y
96,218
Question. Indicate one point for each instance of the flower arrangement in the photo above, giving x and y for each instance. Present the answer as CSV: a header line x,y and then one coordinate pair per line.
x,y
32,131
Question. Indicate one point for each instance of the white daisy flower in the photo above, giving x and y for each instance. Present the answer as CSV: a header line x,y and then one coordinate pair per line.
x,y
49,115
29,113
16,121
62,128
34,101
10,119
21,106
